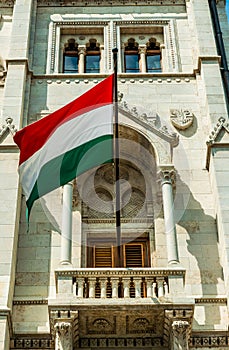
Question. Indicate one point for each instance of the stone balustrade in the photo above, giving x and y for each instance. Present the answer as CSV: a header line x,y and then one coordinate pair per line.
x,y
120,282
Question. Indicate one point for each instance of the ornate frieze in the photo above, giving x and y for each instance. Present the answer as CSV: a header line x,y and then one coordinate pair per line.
x,y
215,340
127,343
7,3
20,342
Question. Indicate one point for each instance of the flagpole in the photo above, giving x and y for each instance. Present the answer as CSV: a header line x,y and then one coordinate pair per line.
x,y
117,163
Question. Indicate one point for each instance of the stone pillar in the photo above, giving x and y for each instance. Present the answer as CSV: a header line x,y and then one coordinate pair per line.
x,y
142,53
179,336
66,234
166,174
81,53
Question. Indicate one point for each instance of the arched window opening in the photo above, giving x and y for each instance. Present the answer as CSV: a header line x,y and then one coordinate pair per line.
x,y
71,58
131,56
92,57
153,56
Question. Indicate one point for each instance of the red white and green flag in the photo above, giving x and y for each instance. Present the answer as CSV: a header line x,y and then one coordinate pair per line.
x,y
66,143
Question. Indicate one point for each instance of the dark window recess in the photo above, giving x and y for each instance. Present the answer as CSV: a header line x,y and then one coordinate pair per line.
x,y
153,63
131,63
92,63
70,63
133,255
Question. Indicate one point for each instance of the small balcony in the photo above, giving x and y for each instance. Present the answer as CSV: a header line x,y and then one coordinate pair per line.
x,y
120,284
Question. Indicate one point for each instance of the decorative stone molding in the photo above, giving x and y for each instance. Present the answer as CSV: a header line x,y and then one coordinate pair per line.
x,y
181,119
63,335
211,301
217,138
20,342
151,121
215,340
179,339
7,3
108,3
64,329
30,302
6,129
222,124
177,328
144,342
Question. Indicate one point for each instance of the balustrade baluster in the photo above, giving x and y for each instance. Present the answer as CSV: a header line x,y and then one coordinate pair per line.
x,y
137,282
103,286
160,282
126,286
115,282
92,283
149,288
80,282
154,289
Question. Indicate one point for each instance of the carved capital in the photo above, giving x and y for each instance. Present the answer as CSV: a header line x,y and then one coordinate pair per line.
x,y
142,49
166,174
81,50
63,328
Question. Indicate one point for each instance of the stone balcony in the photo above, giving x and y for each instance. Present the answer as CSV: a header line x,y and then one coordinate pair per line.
x,y
120,284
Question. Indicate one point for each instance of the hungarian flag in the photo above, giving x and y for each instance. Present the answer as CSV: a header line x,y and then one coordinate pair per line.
x,y
66,143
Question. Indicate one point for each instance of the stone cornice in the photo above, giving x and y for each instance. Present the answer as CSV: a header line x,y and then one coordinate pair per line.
x,y
108,3
83,272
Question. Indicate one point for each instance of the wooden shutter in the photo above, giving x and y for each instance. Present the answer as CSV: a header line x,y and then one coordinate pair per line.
x,y
133,255
103,256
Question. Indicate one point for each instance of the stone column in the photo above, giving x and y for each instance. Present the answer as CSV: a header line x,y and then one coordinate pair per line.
x,y
142,53
179,336
66,234
166,174
81,53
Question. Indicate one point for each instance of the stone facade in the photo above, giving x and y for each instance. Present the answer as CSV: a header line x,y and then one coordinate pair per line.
x,y
174,185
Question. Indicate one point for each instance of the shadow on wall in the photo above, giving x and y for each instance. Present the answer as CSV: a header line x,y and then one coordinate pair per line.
x,y
202,245
34,251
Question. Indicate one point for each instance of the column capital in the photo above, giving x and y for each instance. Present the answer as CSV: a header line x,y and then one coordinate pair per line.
x,y
166,174
81,50
142,49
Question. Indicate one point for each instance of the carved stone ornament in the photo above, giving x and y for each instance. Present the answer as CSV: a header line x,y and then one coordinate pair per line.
x,y
220,125
179,339
181,119
6,129
150,120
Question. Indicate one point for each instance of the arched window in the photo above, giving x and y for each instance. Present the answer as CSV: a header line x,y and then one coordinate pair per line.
x,y
71,58
92,57
153,56
131,56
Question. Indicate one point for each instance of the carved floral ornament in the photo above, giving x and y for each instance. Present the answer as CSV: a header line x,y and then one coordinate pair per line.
x,y
107,3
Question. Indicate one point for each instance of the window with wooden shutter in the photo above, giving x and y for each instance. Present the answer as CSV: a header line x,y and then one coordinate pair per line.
x,y
133,255
103,256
